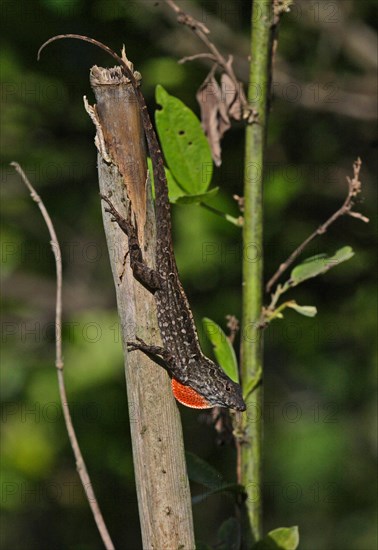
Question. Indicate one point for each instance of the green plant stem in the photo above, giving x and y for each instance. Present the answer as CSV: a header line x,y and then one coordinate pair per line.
x,y
235,221
252,345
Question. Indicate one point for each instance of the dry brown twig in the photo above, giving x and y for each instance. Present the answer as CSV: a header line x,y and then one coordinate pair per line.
x,y
356,96
280,7
80,464
354,188
202,32
219,103
240,202
233,326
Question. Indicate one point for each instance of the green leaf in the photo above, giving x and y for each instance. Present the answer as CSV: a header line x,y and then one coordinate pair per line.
x,y
229,535
174,190
201,472
186,149
316,265
223,487
176,194
283,538
307,311
223,349
192,199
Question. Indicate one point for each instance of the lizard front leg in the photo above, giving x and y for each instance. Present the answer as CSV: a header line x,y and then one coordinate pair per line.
x,y
156,352
183,393
160,355
148,277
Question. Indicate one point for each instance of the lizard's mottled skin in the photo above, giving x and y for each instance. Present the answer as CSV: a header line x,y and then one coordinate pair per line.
x,y
181,351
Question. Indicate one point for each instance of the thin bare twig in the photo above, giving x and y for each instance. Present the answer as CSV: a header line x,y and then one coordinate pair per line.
x,y
198,56
346,209
235,221
80,464
202,32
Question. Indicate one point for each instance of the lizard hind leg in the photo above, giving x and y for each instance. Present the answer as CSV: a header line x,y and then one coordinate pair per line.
x,y
148,277
124,223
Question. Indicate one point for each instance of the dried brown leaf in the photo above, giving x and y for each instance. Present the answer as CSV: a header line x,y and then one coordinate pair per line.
x,y
218,105
215,120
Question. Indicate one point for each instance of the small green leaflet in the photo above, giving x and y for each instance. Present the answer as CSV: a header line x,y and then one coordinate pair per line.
x,y
283,538
223,349
307,311
186,149
311,267
316,265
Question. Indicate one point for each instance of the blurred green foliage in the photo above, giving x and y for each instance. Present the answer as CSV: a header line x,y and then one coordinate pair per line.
x,y
320,372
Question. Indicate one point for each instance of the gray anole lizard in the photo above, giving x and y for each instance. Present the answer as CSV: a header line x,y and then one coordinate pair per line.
x,y
197,381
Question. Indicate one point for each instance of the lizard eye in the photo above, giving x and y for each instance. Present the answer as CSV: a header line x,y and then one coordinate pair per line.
x,y
228,388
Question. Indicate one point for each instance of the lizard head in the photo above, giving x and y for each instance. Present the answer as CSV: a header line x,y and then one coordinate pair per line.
x,y
222,391
211,388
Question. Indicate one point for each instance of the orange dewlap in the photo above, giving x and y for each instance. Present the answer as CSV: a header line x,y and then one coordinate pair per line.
x,y
188,397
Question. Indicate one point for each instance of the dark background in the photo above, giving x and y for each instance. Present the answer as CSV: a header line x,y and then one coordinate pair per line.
x,y
319,450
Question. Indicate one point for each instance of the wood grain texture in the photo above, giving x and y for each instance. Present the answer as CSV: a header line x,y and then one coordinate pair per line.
x,y
116,104
158,449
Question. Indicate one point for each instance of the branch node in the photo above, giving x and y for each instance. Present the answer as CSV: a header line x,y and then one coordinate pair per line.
x,y
355,187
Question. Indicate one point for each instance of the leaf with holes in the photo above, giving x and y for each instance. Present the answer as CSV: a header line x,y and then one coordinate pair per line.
x,y
195,199
184,143
176,194
174,190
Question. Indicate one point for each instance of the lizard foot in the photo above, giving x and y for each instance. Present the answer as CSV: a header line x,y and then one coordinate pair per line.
x,y
146,348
